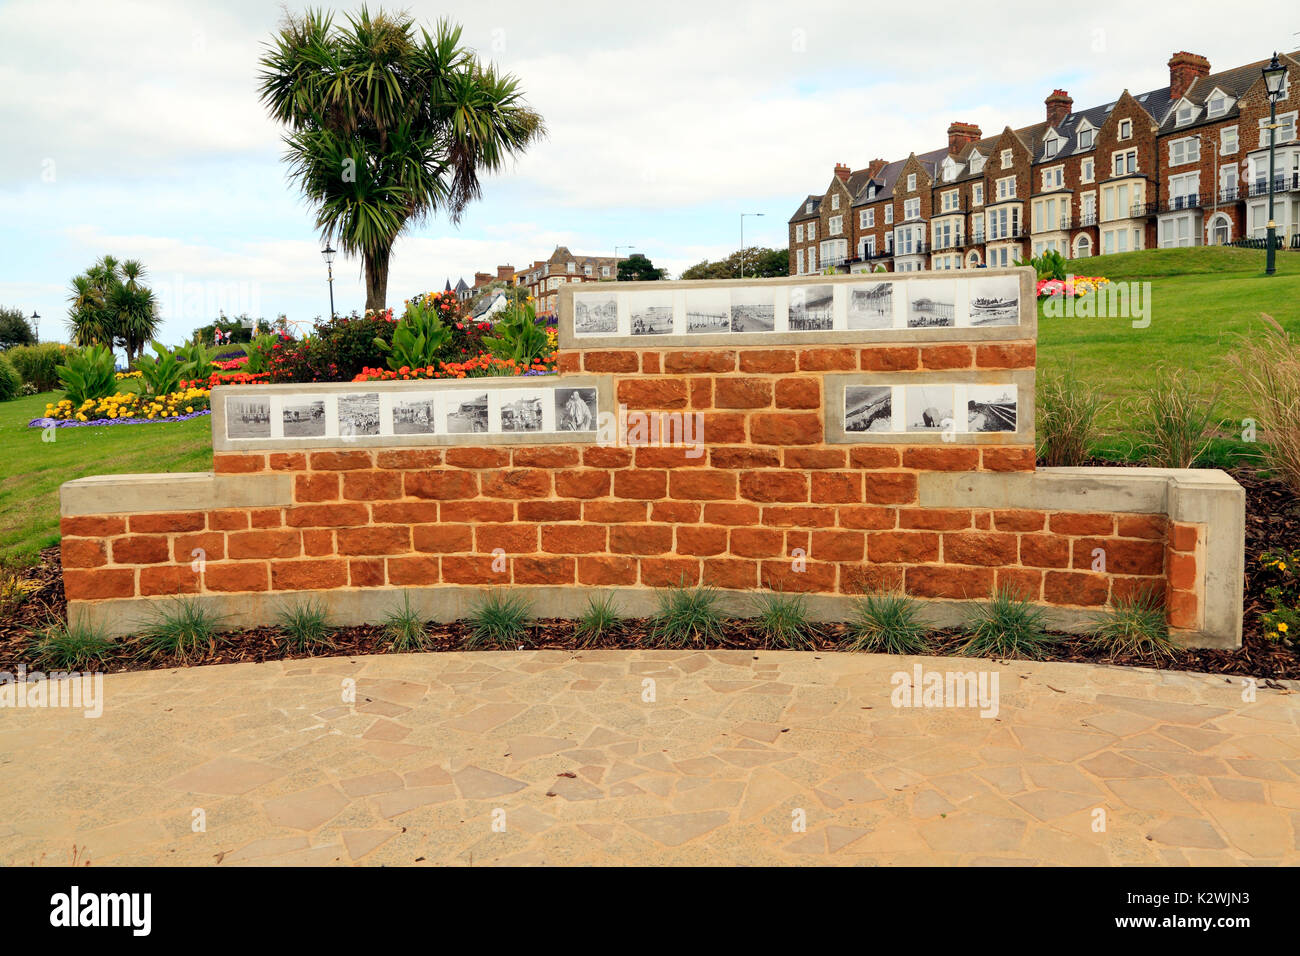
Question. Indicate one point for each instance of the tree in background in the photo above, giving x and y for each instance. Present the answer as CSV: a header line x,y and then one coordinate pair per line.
x,y
235,331
759,262
109,304
387,127
637,268
14,329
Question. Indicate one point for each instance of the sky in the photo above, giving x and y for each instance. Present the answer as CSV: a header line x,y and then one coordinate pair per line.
x,y
133,128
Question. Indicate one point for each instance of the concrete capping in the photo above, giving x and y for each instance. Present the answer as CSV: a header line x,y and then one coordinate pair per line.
x,y
604,385
1022,378
1026,330
1206,497
451,602
183,491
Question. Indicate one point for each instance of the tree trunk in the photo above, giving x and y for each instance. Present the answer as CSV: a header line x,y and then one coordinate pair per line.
x,y
376,280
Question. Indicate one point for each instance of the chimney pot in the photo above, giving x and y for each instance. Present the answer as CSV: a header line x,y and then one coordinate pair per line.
x,y
1059,105
1184,69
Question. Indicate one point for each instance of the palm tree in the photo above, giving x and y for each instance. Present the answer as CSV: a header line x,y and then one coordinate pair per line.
x,y
387,127
110,305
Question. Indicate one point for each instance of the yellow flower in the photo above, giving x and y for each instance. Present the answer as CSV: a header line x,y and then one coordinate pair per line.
x,y
1282,628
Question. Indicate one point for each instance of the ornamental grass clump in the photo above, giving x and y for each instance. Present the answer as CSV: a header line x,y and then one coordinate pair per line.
x,y
305,626
687,617
1007,626
599,621
500,620
887,623
404,629
782,620
182,629
1134,626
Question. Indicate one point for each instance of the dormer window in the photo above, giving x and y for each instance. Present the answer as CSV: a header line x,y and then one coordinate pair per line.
x,y
1186,113
977,163
808,208
949,170
573,266
1050,147
1086,136
1217,105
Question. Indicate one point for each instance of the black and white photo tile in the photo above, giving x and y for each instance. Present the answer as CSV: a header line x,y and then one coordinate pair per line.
x,y
303,416
520,410
869,408
994,300
359,414
415,414
812,308
595,313
929,408
708,310
990,408
753,309
871,304
575,409
248,417
465,411
932,304
650,313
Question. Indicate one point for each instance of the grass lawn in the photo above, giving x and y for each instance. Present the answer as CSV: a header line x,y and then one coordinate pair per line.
x,y
31,470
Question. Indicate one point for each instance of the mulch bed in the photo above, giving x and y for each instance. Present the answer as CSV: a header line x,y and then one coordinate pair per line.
x,y
1272,522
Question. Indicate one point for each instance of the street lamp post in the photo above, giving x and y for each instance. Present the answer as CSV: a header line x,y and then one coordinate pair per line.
x,y
1274,77
616,259
328,255
742,239
36,324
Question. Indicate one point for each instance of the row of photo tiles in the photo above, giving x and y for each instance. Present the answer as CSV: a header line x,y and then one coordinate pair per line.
x,y
816,307
930,408
460,411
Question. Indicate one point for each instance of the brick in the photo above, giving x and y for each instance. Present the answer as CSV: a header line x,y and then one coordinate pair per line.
x,y
933,519
720,428
874,457
995,458
902,547
731,573
836,487
82,553
837,545
983,520
243,576
948,581
544,570
376,539
402,459
372,485
838,358
556,456
341,460
768,361
702,485
442,538
511,538
890,488
99,584
701,392
168,522
702,540
700,360
640,484
799,393
938,458
671,457
87,527
316,487
652,393
640,539
1077,588
568,362
675,512
610,361
1044,551
1072,523
1006,355
946,356
550,510
317,543
785,428
1123,555
756,542
1183,610
442,485
1182,571
1183,537
238,464
287,461
815,458
266,518
327,516
869,579
988,548
1145,589
670,572
774,486
212,546
168,579
652,363
404,512
867,518
475,511
799,516
574,539
144,549
889,359
614,512
413,571
367,572
607,570
1152,527
607,457
743,393
1024,583
584,483
732,515
741,456
808,578
474,569
477,457
1019,520
241,545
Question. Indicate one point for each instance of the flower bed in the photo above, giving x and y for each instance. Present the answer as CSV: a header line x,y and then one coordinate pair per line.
x,y
128,408
481,366
1072,286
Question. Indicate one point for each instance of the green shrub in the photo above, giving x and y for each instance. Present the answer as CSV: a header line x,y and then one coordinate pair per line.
x,y
260,351
887,623
516,335
1176,418
687,617
306,626
782,619
418,340
1067,412
11,383
78,646
182,629
1282,593
88,374
161,372
1134,625
499,620
1006,626
347,343
1050,265
38,364
404,628
600,619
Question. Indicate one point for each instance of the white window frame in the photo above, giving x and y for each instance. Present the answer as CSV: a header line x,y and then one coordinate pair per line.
x,y
812,231
1124,153
798,262
1184,113
1223,98
977,194
798,233
1125,129
1282,119
1188,146
889,213
1006,158
977,161
911,182
1088,170
1005,192
835,201
835,226
1086,130
911,208
1054,177
1225,134
950,200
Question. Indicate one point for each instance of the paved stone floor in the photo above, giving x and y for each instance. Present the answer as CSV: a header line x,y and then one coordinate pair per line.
x,y
553,758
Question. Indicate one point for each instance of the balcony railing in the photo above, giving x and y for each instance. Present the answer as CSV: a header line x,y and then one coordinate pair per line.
x,y
945,244
1282,183
1176,203
915,249
1087,219
1140,210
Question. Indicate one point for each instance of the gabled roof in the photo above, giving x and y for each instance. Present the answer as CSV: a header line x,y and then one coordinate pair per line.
x,y
802,212
1233,82
461,286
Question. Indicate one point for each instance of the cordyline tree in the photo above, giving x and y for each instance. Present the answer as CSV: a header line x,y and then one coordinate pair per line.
x,y
388,126
109,304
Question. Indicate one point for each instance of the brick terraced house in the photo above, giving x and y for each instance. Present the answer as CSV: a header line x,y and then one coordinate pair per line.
x,y
1183,165
544,277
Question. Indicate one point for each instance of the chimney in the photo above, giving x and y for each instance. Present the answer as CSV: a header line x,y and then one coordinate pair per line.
x,y
505,273
1059,106
961,135
482,279
875,166
1184,68
842,172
